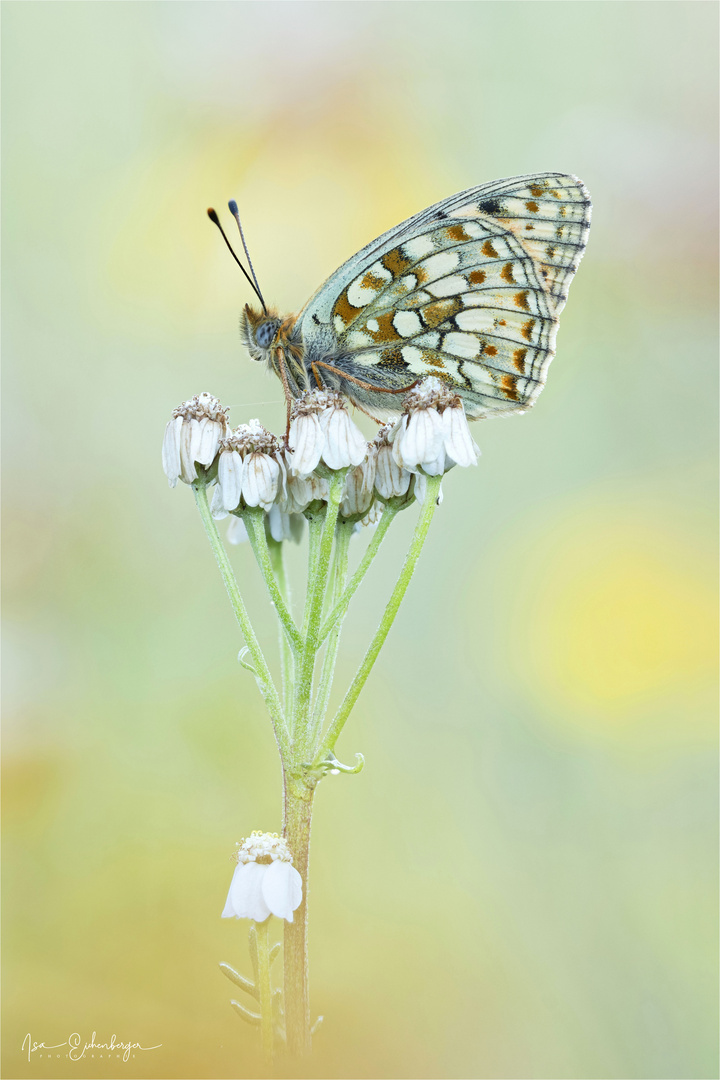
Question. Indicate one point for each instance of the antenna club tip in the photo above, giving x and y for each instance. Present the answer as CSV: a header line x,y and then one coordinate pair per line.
x,y
233,207
212,215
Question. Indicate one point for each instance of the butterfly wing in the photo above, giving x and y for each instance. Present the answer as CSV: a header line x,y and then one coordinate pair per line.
x,y
468,290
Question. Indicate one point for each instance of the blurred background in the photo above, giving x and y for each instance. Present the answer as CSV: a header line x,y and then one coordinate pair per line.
x,y
522,882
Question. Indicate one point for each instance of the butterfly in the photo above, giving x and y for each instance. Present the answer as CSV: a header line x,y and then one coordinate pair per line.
x,y
469,291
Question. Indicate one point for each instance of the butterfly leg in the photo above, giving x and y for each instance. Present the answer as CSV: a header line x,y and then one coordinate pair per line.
x,y
359,382
286,387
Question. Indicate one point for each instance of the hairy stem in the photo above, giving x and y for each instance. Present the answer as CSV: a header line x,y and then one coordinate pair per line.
x,y
287,657
261,670
298,799
342,544
255,523
264,988
339,610
317,582
421,531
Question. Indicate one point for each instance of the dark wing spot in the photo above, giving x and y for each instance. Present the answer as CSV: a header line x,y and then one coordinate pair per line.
x,y
345,309
491,206
396,262
457,232
519,360
393,359
509,387
385,331
437,312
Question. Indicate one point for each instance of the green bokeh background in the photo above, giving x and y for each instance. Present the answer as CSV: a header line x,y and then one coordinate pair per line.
x,y
522,882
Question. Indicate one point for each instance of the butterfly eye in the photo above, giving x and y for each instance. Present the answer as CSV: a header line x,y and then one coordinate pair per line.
x,y
265,333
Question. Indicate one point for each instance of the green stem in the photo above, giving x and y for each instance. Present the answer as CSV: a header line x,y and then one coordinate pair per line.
x,y
340,609
315,530
421,530
298,797
264,988
287,658
261,670
255,519
317,581
342,545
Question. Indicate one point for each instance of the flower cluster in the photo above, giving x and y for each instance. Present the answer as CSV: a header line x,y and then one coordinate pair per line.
x,y
192,437
252,468
265,881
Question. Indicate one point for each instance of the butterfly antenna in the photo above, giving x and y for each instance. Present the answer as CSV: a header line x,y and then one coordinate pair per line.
x,y
233,207
216,221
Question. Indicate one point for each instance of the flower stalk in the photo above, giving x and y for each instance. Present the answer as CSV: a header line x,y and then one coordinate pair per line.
x,y
338,483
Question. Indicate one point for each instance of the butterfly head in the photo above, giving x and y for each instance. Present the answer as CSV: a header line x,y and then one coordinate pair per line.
x,y
260,331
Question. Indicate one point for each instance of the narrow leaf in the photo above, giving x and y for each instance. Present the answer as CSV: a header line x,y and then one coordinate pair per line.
x,y
247,1016
239,980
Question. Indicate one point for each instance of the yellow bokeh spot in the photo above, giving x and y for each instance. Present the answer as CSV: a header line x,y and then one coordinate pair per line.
x,y
621,624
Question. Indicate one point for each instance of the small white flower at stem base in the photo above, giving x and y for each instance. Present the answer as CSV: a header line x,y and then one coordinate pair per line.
x,y
265,881
193,436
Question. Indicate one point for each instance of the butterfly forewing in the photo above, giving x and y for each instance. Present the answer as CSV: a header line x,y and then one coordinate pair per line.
x,y
460,292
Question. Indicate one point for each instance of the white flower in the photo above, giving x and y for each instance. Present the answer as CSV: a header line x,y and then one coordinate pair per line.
x,y
193,437
460,446
420,489
306,437
250,468
321,429
284,526
230,471
433,434
265,882
345,443
236,532
260,480
358,492
390,478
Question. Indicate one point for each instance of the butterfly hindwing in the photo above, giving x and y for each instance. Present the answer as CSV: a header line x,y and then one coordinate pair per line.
x,y
458,291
